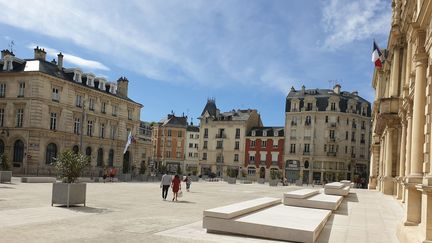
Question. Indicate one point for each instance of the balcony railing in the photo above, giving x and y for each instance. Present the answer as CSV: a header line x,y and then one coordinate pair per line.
x,y
219,160
332,124
331,153
307,137
220,135
306,153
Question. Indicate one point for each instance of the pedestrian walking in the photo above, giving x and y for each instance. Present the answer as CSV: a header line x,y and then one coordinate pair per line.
x,y
188,182
165,184
176,186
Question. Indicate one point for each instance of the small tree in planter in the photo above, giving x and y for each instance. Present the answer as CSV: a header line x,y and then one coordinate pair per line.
x,y
232,174
275,177
69,166
5,172
142,172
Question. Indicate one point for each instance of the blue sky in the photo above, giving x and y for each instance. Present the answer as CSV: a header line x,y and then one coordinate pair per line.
x,y
176,53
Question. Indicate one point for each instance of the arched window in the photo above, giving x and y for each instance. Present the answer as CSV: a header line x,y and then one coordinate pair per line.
x,y
100,157
306,164
51,153
88,153
308,120
111,158
1,146
18,154
75,149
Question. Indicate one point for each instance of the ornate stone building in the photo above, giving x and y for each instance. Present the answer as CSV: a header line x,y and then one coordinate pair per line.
x,y
327,135
222,138
46,109
191,149
168,139
402,118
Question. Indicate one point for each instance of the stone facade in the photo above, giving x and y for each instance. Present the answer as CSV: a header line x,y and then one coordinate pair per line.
x,y
222,138
327,135
264,151
191,149
145,146
46,109
400,159
168,139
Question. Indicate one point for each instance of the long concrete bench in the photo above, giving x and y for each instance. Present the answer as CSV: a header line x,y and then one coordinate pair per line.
x,y
278,222
347,183
237,209
336,188
38,179
312,199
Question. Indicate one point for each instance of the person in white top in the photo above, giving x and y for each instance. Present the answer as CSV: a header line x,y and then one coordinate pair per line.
x,y
165,185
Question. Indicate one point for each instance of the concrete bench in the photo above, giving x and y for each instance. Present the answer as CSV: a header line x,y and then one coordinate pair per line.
x,y
337,191
316,200
278,222
347,183
335,185
38,179
237,209
302,193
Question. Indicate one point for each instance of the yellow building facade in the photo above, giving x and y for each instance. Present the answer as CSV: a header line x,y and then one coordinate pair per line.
x,y
402,112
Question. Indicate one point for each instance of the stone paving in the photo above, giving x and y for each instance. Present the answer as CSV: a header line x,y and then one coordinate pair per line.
x,y
135,212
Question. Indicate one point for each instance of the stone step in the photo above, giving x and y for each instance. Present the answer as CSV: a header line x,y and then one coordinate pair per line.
x,y
321,201
237,209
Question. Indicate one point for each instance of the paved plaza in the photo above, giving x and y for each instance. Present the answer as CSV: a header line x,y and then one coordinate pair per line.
x,y
135,212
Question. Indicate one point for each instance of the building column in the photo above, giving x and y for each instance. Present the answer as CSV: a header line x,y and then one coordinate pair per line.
x,y
394,82
381,163
374,163
401,176
413,212
426,212
407,152
388,179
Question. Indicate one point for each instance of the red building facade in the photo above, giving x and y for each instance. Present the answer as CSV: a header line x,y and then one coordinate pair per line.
x,y
264,151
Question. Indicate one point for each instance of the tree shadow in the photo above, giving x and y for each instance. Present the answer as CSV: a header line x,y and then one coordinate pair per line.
x,y
7,187
85,209
184,201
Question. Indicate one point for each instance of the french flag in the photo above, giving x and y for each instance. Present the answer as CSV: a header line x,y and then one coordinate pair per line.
x,y
377,56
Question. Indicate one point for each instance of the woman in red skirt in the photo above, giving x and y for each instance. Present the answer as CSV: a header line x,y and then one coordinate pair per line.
x,y
176,186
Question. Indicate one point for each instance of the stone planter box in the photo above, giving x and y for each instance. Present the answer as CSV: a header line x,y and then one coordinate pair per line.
x,y
273,182
261,180
69,193
231,180
5,176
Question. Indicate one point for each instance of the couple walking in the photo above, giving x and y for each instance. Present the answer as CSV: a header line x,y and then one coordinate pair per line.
x,y
175,183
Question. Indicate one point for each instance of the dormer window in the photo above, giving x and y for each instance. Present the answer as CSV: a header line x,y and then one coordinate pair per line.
x,y
7,65
253,133
264,133
113,88
90,81
77,77
333,106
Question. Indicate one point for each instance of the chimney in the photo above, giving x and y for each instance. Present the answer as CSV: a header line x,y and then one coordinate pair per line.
x,y
60,61
122,87
337,88
39,53
355,93
303,89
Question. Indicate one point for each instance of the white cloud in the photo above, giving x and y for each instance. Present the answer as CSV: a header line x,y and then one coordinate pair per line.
x,y
81,62
348,21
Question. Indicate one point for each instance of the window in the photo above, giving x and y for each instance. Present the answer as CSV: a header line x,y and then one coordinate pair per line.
x,y
237,145
292,148
179,134
91,104
326,119
190,154
251,170
114,110
196,146
294,121
263,144
53,121
333,106
309,106
236,157
363,125
77,126
88,152
325,147
204,156
219,145
21,89
353,136
78,101
178,155
55,94
18,154
346,149
362,138
221,133
308,120
90,128
195,155
2,112
205,145
252,143
130,112
168,154
51,153
191,136
346,135
103,107
190,145
332,134
237,135
306,148
99,161
2,90
169,132
252,158
206,133
111,158
75,149
113,131
19,117
168,143
102,130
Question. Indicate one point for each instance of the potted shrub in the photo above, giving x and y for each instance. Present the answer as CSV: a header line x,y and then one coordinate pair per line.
x,y
261,178
232,174
69,166
274,177
5,172
142,172
194,176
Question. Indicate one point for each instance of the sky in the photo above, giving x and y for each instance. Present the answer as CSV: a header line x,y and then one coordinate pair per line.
x,y
176,54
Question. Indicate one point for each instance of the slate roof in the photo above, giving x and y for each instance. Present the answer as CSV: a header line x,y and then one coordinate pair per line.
x,y
271,131
210,108
322,96
174,121
192,129
53,70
